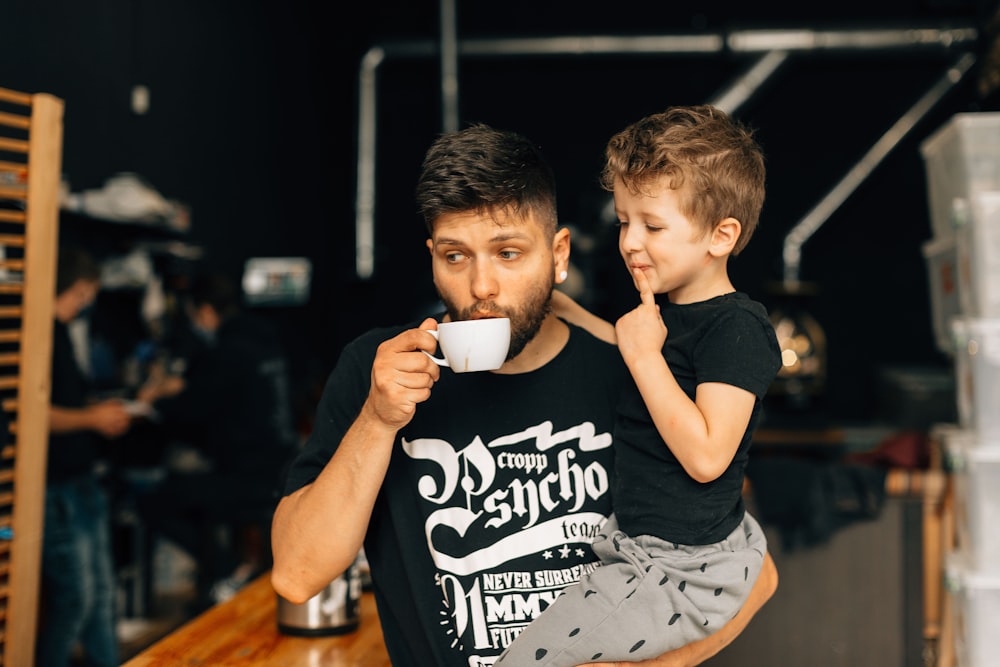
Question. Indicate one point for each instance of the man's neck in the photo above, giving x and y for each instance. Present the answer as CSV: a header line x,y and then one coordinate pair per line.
x,y
543,348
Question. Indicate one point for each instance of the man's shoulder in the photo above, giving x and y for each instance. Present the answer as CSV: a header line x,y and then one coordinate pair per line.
x,y
580,337
583,348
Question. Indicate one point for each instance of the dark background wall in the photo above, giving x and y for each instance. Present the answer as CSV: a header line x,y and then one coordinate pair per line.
x,y
253,121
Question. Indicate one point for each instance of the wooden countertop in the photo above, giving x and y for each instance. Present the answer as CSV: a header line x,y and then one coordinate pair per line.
x,y
243,631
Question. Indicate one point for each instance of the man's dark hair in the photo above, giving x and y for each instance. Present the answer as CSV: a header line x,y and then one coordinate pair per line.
x,y
486,170
75,264
216,289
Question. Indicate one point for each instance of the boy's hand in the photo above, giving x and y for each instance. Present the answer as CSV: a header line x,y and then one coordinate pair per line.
x,y
641,331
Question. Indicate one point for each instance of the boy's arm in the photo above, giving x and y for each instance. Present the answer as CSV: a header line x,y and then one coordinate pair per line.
x,y
566,308
703,434
703,649
678,419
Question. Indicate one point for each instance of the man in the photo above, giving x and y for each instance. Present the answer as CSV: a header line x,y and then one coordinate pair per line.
x,y
475,495
78,583
233,406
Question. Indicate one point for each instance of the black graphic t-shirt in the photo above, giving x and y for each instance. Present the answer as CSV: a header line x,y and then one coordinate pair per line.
x,y
72,454
494,493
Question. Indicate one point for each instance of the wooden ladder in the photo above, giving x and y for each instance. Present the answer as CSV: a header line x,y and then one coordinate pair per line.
x,y
31,136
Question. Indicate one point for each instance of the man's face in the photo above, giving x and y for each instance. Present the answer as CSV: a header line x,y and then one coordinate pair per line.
x,y
486,267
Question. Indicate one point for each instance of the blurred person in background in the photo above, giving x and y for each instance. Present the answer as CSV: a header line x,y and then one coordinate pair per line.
x,y
78,582
232,405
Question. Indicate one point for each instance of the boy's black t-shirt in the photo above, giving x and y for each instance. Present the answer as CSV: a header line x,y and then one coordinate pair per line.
x,y
493,495
728,339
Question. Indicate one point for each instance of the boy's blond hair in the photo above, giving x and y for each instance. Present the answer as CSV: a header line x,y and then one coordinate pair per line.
x,y
699,150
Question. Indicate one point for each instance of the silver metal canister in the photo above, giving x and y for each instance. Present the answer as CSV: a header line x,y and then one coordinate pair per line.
x,y
335,610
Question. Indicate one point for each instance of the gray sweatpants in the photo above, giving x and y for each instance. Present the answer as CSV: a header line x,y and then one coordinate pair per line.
x,y
648,597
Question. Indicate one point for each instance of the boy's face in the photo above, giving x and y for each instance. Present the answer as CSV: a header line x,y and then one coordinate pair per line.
x,y
496,266
656,237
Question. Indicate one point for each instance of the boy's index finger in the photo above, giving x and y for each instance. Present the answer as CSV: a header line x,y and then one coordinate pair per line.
x,y
646,295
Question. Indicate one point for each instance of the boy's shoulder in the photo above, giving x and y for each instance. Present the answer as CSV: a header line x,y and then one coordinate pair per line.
x,y
744,301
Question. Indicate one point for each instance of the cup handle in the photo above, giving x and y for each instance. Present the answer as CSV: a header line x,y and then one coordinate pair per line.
x,y
436,360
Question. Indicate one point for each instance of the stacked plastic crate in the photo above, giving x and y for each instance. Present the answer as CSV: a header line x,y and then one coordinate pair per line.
x,y
962,161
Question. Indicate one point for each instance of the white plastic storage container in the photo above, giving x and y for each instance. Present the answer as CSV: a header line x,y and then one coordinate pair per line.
x,y
978,255
977,375
961,157
975,471
976,615
941,256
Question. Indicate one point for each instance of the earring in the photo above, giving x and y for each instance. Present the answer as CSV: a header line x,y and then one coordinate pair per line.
x,y
563,276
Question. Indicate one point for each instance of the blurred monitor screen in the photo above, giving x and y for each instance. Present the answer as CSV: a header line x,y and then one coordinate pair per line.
x,y
276,281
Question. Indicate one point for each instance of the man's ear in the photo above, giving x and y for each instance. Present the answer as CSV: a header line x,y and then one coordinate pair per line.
x,y
430,246
724,237
560,250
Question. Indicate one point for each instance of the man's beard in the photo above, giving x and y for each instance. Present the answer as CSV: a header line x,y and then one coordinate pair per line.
x,y
525,320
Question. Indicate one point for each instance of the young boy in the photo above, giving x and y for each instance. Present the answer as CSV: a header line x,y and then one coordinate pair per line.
x,y
680,553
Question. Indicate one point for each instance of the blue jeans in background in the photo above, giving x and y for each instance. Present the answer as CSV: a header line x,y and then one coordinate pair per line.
x,y
78,583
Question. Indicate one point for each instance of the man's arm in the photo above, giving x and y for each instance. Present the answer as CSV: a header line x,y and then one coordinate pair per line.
x,y
318,530
109,418
703,649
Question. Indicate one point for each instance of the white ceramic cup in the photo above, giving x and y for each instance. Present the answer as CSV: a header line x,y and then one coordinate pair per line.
x,y
472,345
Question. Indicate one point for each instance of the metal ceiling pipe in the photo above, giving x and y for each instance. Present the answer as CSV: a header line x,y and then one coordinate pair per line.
x,y
849,40
741,41
814,219
742,89
449,66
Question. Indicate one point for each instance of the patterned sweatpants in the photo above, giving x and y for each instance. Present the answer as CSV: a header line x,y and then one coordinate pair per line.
x,y
648,597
